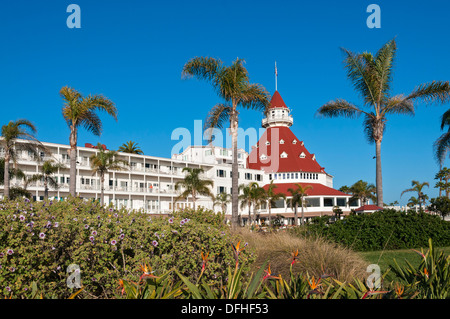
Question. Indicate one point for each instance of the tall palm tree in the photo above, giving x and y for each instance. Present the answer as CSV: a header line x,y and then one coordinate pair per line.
x,y
418,187
130,147
48,169
104,161
250,197
20,129
222,199
193,185
80,111
363,191
272,196
298,198
443,176
371,76
232,85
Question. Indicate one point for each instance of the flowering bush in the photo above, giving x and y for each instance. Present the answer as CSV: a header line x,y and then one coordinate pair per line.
x,y
39,240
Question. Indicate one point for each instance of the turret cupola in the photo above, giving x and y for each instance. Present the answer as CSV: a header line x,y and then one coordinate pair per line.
x,y
278,113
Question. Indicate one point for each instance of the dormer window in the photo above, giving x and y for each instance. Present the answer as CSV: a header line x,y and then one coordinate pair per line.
x,y
294,142
263,157
267,143
302,155
314,157
302,143
281,141
283,155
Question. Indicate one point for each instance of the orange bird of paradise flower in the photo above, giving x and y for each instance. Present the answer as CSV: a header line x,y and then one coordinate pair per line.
x,y
147,272
204,260
294,257
269,274
237,250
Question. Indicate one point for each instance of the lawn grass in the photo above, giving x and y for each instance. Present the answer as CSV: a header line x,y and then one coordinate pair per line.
x,y
386,258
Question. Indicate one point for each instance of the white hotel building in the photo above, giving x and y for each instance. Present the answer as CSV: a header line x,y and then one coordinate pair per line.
x,y
149,181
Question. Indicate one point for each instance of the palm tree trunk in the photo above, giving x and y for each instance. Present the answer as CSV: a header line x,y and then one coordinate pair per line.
x,y
234,170
6,175
102,189
45,188
295,214
269,207
73,162
379,179
302,222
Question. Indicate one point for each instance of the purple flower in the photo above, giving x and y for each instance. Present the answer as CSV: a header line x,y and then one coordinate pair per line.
x,y
86,226
22,218
1,255
113,242
122,236
10,251
111,209
56,224
8,289
12,269
94,233
91,238
171,220
182,222
155,243
41,235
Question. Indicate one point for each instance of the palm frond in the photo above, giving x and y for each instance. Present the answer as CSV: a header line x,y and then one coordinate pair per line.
x,y
383,64
356,67
441,147
204,68
255,97
217,117
434,92
338,108
445,119
399,104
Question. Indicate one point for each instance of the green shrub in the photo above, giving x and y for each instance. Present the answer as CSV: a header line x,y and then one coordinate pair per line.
x,y
39,240
387,229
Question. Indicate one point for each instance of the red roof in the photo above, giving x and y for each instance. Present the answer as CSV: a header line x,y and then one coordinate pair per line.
x,y
317,189
277,101
368,207
290,155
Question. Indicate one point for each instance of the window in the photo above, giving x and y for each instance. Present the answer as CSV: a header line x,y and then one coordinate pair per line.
x,y
248,176
278,203
221,189
354,203
313,202
281,141
296,175
341,201
283,155
267,143
284,176
221,173
328,202
208,152
288,175
258,177
294,142
263,157
302,155
224,152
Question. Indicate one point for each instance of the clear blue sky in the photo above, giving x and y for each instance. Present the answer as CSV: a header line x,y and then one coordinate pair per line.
x,y
133,53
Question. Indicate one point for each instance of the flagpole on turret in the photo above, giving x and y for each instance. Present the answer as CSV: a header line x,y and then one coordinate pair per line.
x,y
276,76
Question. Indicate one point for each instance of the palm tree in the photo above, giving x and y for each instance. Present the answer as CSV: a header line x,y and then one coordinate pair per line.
x,y
443,176
193,185
80,111
251,195
48,168
371,76
130,147
298,198
412,202
222,199
104,161
417,187
232,85
20,129
271,197
363,191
